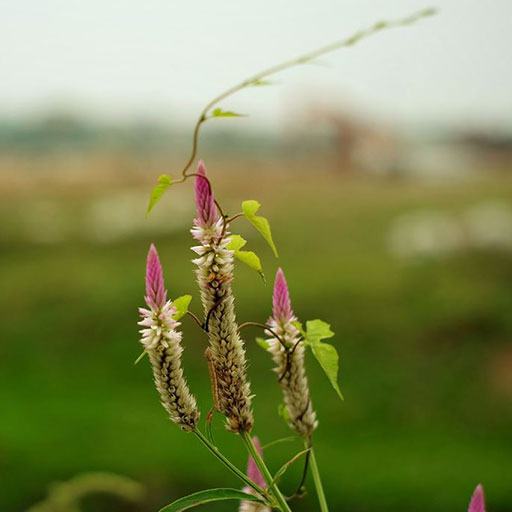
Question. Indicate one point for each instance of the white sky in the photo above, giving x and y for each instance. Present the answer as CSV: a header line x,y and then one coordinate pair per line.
x,y
166,58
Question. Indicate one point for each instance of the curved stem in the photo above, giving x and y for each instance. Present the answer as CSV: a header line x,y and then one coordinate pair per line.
x,y
305,58
318,481
274,489
215,452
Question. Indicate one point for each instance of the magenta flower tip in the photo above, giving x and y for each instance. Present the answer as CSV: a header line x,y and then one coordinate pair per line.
x,y
156,294
282,307
252,469
477,503
207,213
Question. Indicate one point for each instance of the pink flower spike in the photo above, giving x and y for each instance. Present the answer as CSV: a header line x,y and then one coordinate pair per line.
x,y
477,503
156,294
282,307
207,213
252,469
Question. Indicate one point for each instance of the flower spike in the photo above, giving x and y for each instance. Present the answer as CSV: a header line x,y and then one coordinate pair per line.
x,y
282,308
477,503
156,294
162,342
226,351
288,353
207,212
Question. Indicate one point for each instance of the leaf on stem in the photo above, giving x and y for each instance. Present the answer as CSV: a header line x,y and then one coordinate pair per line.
x,y
325,354
250,258
263,343
163,183
209,496
218,112
181,304
261,224
260,83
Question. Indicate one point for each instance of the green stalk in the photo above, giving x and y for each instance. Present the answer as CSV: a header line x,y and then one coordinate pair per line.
x,y
318,481
274,489
216,453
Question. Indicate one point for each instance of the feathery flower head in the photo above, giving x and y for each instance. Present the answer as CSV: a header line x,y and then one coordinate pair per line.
x,y
288,354
282,308
207,213
477,503
156,294
162,342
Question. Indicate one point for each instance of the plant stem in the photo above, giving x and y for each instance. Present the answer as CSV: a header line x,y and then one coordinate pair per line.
x,y
301,59
274,489
318,481
216,453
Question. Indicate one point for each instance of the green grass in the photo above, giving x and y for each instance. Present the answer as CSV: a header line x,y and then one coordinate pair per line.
x,y
423,421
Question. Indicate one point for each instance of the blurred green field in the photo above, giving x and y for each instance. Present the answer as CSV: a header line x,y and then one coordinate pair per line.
x,y
424,342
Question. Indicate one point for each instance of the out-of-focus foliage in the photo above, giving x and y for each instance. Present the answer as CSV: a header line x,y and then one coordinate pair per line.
x,y
424,334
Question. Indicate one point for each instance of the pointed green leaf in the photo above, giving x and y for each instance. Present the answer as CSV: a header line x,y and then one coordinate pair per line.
x,y
260,83
249,208
250,259
163,183
263,343
209,496
218,112
282,410
181,304
328,358
316,331
236,242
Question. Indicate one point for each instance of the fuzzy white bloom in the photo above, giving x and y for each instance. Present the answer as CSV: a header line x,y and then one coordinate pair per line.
x,y
288,354
162,342
226,352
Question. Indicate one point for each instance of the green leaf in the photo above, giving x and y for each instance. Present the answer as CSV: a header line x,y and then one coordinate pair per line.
x,y
181,304
236,242
250,208
260,83
316,331
282,410
163,183
218,112
325,354
328,358
250,258
209,496
263,343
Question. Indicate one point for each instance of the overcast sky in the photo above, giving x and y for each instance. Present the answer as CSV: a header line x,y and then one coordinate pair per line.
x,y
166,58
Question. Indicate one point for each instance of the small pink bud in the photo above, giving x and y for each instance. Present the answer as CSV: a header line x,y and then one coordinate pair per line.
x,y
207,213
252,469
156,294
282,308
477,503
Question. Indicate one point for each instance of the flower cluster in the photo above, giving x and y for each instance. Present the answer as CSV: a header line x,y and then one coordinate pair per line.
x,y
162,342
477,503
288,354
226,352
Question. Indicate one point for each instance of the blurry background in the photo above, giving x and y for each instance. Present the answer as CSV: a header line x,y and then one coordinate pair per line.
x,y
386,172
